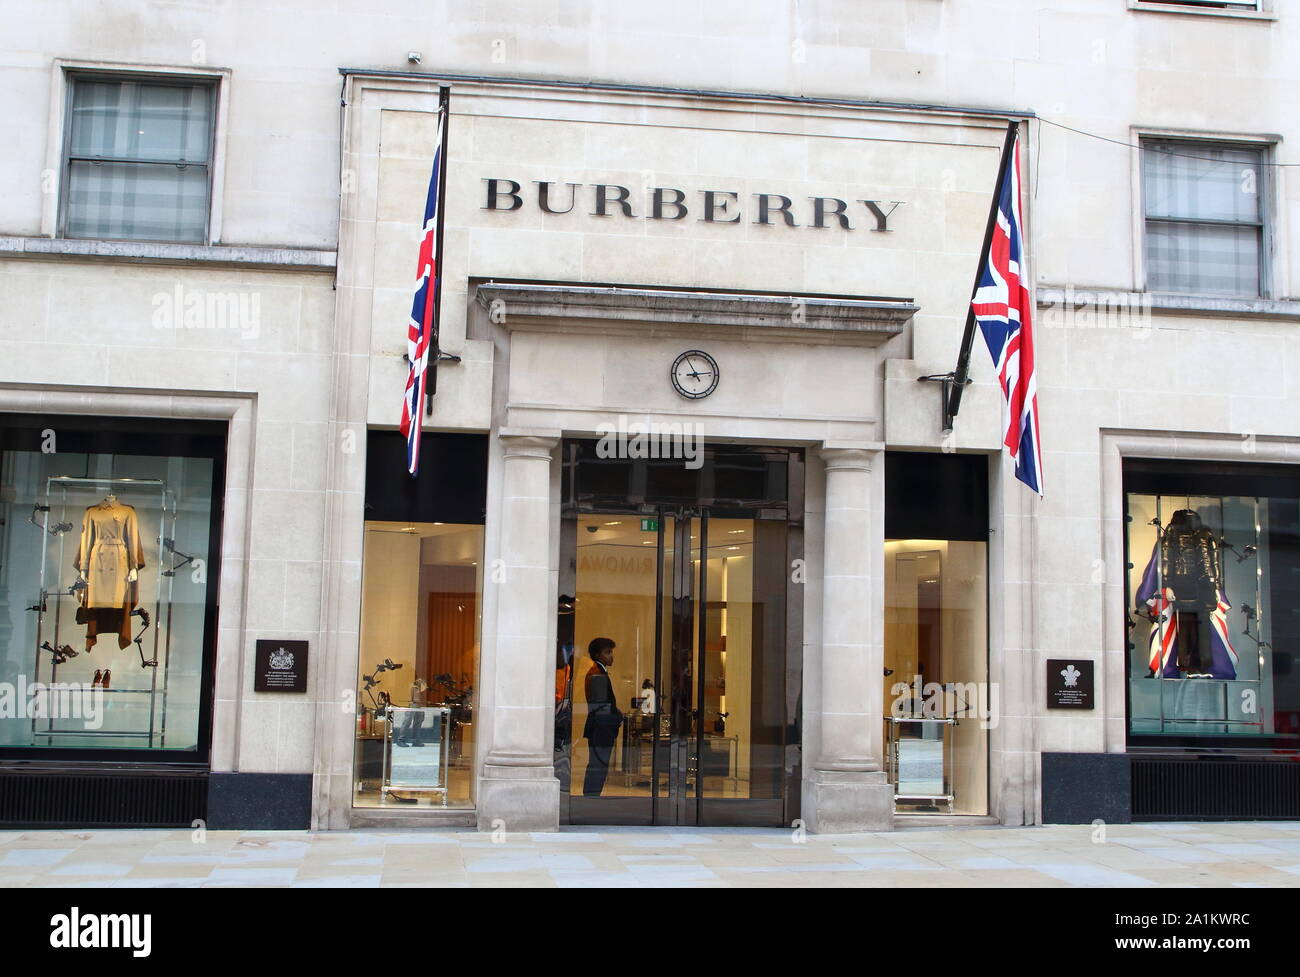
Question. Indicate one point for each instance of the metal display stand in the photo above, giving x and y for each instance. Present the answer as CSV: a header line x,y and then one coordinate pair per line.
x,y
417,750
67,498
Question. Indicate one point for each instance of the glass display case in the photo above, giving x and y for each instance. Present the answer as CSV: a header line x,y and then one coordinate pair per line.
x,y
416,750
920,758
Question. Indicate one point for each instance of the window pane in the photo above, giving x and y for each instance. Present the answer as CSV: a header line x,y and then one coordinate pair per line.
x,y
1206,182
938,702
421,588
138,121
93,604
171,123
1212,642
1200,258
145,201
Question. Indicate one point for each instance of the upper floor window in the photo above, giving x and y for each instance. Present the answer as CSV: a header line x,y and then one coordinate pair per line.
x,y
137,159
1204,217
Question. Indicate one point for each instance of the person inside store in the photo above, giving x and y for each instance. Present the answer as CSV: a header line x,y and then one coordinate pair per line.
x,y
647,698
604,719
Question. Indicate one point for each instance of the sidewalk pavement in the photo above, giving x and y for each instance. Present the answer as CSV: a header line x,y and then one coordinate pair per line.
x,y
1215,854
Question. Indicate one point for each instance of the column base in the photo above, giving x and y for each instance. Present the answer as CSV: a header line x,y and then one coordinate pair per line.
x,y
842,802
514,799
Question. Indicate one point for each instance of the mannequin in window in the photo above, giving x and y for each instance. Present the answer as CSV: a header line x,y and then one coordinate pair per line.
x,y
1182,593
109,560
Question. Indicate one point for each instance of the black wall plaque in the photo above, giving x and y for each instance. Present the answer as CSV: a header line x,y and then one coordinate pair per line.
x,y
1069,683
281,666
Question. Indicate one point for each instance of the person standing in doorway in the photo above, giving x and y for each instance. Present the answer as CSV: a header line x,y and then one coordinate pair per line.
x,y
604,719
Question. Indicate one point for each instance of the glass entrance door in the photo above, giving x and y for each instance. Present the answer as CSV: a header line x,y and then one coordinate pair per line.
x,y
671,685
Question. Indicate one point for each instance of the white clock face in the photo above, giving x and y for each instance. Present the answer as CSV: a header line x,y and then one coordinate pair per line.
x,y
695,374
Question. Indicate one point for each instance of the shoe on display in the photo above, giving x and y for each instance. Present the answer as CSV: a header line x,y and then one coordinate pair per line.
x,y
98,676
104,683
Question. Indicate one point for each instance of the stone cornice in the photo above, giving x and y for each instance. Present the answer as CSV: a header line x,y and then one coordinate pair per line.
x,y
150,252
608,309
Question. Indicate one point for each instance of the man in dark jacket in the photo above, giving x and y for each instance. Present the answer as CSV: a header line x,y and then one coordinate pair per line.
x,y
604,719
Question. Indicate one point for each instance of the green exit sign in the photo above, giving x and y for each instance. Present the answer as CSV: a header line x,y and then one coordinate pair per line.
x,y
649,525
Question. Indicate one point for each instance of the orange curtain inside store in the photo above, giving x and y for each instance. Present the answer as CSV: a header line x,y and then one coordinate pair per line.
x,y
452,612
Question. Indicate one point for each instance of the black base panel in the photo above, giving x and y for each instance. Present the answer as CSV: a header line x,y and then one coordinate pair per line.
x,y
1079,788
259,801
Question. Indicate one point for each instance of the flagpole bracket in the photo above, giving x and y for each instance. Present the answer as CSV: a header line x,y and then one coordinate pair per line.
x,y
946,381
431,385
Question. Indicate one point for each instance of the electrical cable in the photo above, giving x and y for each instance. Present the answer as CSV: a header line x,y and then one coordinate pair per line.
x,y
1154,149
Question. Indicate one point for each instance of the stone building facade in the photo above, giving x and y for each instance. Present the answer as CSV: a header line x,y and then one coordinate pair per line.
x,y
843,615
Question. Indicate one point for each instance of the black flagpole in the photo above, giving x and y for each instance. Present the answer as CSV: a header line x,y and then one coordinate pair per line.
x,y
955,382
435,353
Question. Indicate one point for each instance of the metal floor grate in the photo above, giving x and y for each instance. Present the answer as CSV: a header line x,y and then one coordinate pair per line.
x,y
39,799
1214,788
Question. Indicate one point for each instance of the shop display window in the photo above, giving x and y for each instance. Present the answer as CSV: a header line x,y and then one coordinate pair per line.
x,y
420,633
1213,577
107,584
939,704
421,624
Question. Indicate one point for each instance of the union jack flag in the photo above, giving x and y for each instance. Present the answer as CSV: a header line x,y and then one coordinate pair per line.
x,y
1002,306
1161,604
422,327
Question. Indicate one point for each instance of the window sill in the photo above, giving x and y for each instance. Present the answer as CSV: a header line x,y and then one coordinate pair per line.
x,y
1167,303
287,259
1210,305
1173,8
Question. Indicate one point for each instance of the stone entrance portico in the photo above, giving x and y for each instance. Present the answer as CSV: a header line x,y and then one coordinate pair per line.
x,y
565,335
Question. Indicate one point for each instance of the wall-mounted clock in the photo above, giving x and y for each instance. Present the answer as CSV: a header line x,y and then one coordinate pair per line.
x,y
695,374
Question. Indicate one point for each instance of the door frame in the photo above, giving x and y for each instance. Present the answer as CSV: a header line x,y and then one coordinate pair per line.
x,y
781,811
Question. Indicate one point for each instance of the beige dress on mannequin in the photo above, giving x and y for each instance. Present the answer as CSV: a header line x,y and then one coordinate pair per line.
x,y
108,559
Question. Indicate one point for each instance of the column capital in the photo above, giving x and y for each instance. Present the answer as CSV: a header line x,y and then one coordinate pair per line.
x,y
528,442
848,456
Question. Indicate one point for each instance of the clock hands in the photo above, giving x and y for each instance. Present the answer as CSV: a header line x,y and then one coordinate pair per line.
x,y
696,374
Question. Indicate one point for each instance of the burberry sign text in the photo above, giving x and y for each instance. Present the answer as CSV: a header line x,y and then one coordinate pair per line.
x,y
672,204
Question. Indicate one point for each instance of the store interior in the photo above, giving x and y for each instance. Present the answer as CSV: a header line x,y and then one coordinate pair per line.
x,y
420,634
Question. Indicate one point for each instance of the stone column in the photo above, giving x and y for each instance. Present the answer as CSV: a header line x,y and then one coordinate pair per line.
x,y
848,789
518,785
